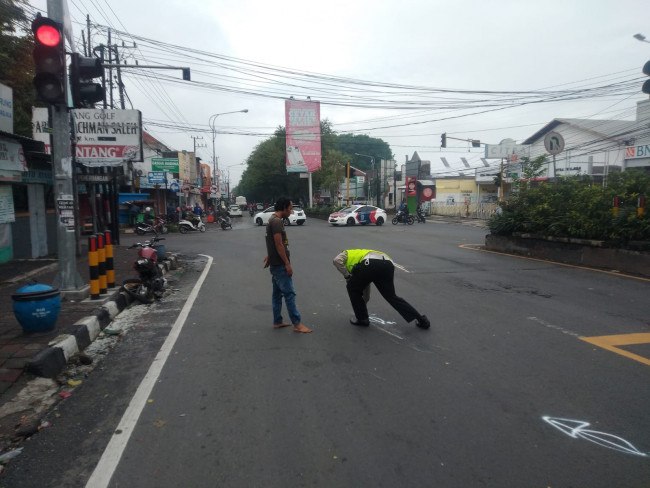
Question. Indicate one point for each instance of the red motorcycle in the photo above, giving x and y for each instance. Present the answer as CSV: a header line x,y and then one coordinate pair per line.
x,y
150,284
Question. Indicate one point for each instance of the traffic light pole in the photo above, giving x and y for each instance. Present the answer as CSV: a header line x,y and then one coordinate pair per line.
x,y
67,279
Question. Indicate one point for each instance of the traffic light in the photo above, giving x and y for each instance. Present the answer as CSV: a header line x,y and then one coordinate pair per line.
x,y
646,85
85,92
49,60
443,140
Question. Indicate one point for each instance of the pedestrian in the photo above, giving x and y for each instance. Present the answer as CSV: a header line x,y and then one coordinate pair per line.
x,y
134,210
360,268
277,260
198,210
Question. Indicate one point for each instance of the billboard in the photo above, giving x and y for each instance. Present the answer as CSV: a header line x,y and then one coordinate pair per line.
x,y
105,137
303,136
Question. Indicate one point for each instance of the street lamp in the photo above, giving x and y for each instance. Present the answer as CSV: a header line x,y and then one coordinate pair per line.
x,y
640,37
372,161
211,122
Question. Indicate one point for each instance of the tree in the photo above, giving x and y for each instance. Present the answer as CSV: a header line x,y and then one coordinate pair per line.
x,y
16,65
363,144
266,177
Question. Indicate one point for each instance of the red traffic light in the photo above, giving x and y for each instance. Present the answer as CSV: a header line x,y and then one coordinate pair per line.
x,y
48,35
49,60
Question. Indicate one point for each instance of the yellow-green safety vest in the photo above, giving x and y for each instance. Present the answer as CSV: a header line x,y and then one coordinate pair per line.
x,y
355,256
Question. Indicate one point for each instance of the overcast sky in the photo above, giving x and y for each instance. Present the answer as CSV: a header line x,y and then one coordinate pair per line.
x,y
461,45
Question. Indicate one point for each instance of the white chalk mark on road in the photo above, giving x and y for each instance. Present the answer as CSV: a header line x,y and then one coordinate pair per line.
x,y
576,429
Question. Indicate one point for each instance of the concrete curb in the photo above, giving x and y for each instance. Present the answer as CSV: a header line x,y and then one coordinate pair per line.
x,y
50,361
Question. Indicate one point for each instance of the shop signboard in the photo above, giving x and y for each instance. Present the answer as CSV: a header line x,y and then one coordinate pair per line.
x,y
107,137
157,177
165,164
6,109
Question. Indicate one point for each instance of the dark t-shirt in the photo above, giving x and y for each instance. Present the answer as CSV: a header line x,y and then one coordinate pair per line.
x,y
276,226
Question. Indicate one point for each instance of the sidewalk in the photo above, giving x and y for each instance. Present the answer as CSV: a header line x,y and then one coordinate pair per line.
x,y
17,348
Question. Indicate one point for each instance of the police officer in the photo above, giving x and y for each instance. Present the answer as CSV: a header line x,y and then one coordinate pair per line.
x,y
360,268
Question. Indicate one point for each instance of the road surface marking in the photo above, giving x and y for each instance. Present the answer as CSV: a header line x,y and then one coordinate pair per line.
x,y
575,429
400,267
477,247
105,468
555,327
612,342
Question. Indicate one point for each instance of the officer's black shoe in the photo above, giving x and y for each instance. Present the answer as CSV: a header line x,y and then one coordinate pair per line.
x,y
361,323
423,322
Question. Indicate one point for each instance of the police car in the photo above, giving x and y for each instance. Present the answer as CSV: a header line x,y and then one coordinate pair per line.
x,y
358,214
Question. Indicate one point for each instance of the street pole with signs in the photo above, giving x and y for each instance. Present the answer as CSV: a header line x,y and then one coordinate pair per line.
x,y
67,280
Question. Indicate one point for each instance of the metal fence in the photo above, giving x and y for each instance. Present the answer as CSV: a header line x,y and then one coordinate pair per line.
x,y
472,210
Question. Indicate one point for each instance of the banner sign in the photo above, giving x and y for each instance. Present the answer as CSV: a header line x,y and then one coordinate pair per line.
x,y
6,109
506,149
107,137
157,177
104,137
411,186
7,204
165,164
303,136
12,157
40,128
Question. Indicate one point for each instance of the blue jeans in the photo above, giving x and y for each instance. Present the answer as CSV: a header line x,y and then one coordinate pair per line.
x,y
283,287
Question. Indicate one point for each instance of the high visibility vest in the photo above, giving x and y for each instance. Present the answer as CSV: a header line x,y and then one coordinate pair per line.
x,y
355,256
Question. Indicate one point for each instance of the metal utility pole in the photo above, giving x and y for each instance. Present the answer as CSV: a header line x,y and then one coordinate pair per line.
x,y
120,86
67,279
372,161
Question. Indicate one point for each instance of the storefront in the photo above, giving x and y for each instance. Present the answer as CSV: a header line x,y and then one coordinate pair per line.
x,y
27,213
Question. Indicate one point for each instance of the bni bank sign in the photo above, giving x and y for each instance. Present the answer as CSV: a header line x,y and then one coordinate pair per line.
x,y
637,156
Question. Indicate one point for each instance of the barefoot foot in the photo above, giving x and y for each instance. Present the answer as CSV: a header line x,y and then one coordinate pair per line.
x,y
283,324
301,328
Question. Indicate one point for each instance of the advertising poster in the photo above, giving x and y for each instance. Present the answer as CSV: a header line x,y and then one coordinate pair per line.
x,y
303,136
411,186
65,206
6,204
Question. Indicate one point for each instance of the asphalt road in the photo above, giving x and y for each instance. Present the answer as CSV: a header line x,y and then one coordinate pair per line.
x,y
500,392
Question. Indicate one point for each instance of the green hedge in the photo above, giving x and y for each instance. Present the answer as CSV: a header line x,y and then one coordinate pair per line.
x,y
577,207
321,211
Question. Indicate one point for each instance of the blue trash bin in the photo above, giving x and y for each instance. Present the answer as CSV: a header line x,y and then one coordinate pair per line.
x,y
37,306
160,250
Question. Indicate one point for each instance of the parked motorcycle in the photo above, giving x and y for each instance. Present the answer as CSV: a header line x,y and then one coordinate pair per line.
x,y
420,216
403,218
185,225
158,226
150,283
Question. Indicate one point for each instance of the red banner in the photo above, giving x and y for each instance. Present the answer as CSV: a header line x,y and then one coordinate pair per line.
x,y
303,136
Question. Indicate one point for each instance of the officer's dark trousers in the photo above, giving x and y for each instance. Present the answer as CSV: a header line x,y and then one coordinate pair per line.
x,y
380,272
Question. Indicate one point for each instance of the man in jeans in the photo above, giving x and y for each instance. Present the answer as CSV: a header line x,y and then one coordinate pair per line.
x,y
277,247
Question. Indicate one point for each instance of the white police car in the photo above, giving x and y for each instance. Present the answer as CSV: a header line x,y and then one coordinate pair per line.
x,y
358,214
